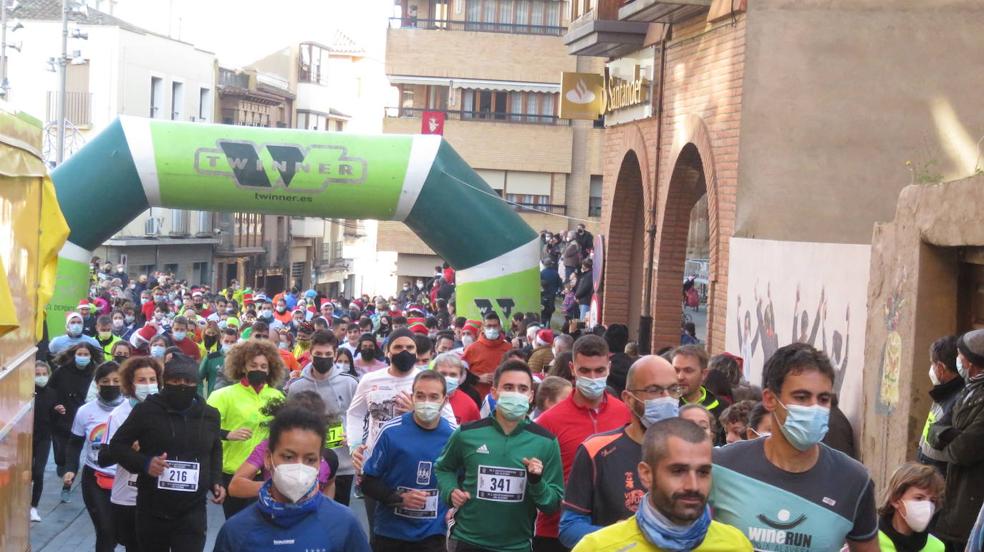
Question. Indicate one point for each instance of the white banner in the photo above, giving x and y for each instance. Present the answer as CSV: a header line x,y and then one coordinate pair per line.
x,y
780,292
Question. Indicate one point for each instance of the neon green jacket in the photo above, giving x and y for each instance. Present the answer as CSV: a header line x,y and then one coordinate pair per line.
x,y
239,406
500,515
933,544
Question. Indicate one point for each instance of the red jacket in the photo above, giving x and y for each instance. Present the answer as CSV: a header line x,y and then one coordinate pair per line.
x,y
483,357
572,424
464,408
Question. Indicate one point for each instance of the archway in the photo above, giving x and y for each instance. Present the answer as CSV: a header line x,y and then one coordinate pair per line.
x,y
686,190
624,268
138,163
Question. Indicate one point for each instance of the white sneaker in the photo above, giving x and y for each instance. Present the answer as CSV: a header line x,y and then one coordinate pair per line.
x,y
35,516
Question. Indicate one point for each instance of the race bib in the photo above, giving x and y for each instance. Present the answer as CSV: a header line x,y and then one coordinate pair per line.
x,y
132,480
179,476
501,484
335,436
430,507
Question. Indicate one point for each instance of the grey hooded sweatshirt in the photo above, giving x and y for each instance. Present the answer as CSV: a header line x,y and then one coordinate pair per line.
x,y
337,390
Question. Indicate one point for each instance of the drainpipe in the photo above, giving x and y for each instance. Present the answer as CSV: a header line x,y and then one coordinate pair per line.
x,y
646,317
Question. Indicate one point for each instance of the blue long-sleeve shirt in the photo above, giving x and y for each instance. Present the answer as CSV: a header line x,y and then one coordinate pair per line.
x,y
574,526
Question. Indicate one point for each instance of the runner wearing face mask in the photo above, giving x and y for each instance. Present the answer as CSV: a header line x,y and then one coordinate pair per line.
x,y
400,476
381,396
290,509
73,335
139,379
484,355
210,371
87,435
784,480
913,494
337,388
587,411
179,460
70,384
256,367
604,485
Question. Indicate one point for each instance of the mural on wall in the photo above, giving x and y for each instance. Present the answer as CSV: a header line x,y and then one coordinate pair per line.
x,y
891,364
784,292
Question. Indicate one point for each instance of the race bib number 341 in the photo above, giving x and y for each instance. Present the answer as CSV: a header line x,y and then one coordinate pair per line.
x,y
501,484
179,476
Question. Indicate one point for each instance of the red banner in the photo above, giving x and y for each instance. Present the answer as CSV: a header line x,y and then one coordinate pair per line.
x,y
432,123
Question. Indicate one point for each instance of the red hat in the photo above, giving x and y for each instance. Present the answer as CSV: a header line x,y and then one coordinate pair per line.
x,y
147,332
84,304
545,336
247,298
417,308
417,325
357,304
472,326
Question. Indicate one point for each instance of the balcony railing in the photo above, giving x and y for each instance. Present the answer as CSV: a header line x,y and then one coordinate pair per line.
x,y
486,116
78,107
540,208
481,26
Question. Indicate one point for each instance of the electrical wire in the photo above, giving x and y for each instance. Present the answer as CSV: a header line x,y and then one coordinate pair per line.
x,y
513,203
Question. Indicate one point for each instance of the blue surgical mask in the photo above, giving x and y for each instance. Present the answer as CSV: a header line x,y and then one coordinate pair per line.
x,y
144,390
179,336
452,384
805,425
157,351
514,406
225,348
592,388
82,361
491,333
74,329
660,409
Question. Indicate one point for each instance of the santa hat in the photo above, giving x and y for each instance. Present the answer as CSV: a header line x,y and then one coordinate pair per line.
x,y
247,298
146,333
326,302
196,293
71,315
357,304
84,304
472,326
413,308
417,325
544,337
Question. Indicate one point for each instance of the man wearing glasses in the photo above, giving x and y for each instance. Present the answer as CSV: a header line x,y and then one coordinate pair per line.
x,y
604,486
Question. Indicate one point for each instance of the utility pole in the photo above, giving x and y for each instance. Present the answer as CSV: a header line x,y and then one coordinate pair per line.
x,y
62,83
3,48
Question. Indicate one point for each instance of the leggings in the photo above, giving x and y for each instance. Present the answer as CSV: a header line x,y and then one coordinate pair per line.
x,y
232,505
126,526
343,489
41,449
100,510
60,441
181,534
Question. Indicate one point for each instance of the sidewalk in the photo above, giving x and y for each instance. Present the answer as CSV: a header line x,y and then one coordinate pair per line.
x,y
67,527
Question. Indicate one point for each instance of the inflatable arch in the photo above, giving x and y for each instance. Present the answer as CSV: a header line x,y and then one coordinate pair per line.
x,y
137,163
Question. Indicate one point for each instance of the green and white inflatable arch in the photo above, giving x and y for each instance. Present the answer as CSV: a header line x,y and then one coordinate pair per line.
x,y
138,163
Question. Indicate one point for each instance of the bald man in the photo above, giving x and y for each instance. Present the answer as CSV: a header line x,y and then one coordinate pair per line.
x,y
609,460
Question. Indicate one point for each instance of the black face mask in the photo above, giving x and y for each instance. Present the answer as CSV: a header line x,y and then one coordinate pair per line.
x,y
210,341
368,353
256,377
322,364
404,361
119,359
178,397
109,393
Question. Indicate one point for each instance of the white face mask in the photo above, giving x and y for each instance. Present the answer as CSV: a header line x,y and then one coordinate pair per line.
x,y
932,375
918,513
295,481
491,333
467,339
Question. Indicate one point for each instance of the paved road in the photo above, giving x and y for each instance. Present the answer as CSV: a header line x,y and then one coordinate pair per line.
x,y
67,527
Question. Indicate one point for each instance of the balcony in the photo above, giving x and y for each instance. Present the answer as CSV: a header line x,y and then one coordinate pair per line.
x,y
659,11
480,116
78,108
464,50
598,32
480,26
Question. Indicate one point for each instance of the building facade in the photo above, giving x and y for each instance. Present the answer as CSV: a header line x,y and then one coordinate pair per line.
x,y
798,134
492,69
118,69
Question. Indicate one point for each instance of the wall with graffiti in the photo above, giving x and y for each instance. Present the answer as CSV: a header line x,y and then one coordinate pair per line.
x,y
783,292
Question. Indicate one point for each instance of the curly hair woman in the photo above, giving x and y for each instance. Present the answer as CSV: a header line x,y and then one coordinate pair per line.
x,y
258,368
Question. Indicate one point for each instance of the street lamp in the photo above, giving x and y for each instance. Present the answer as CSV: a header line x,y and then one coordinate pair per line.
x,y
68,7
7,7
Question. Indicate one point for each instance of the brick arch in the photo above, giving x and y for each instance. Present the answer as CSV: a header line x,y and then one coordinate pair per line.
x,y
626,217
689,172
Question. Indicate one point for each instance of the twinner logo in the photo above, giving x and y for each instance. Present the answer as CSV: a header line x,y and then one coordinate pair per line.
x,y
780,532
297,168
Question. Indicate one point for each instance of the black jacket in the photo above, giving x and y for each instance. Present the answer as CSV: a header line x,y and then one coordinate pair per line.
x,y
620,363
959,436
44,411
840,434
70,386
585,288
192,435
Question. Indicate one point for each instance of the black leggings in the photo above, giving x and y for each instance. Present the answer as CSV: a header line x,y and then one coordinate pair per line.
x,y
343,489
232,505
100,510
126,526
60,441
181,534
41,448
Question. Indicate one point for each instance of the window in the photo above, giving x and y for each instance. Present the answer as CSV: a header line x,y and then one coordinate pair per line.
x,y
311,120
204,104
177,100
199,273
156,96
520,16
171,268
313,61
594,196
518,107
528,188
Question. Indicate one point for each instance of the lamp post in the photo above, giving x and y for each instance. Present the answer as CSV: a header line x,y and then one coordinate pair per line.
x,y
62,85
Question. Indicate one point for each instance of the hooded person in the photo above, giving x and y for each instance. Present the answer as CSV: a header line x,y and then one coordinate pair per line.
x,y
74,326
336,386
542,354
179,460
